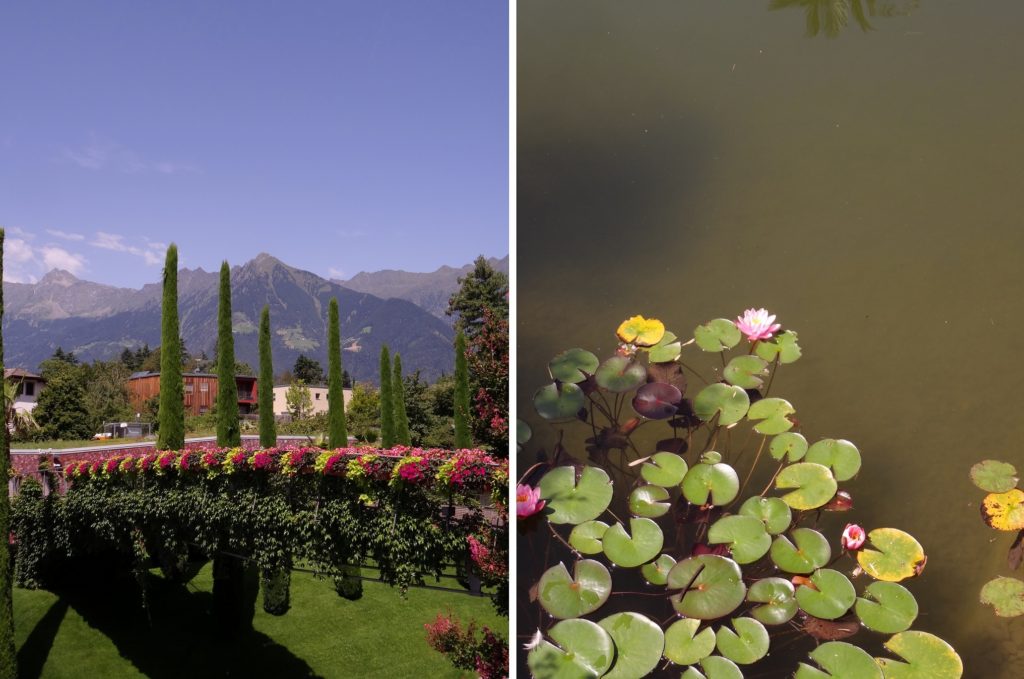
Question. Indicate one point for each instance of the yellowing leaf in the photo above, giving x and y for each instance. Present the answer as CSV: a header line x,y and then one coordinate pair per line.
x,y
897,556
1004,511
643,332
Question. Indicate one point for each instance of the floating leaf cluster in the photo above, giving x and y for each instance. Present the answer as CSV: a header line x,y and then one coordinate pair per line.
x,y
1003,509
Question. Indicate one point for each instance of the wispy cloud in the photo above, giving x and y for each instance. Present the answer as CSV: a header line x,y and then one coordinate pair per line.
x,y
59,258
26,262
105,154
337,273
112,241
65,235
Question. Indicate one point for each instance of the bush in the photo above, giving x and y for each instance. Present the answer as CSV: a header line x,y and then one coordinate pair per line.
x,y
276,583
467,648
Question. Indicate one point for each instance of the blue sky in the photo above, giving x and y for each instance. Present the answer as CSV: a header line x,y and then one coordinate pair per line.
x,y
338,136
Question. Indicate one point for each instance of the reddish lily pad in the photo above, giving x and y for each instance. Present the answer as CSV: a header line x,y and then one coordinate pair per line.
x,y
643,332
994,476
657,401
561,401
840,660
630,551
1006,595
773,414
684,645
717,335
586,537
716,586
926,656
729,402
746,536
620,374
831,597
714,483
565,596
572,501
746,371
584,649
773,512
897,555
810,552
639,642
573,365
841,456
656,572
813,482
1004,511
887,607
748,644
649,501
664,469
777,597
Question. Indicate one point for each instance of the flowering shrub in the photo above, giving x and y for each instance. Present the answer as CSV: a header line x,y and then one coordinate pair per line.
x,y
485,651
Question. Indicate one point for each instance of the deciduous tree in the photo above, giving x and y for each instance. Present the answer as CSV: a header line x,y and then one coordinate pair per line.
x,y
463,437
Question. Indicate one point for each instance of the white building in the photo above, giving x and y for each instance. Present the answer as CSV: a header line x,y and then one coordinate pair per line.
x,y
317,396
29,386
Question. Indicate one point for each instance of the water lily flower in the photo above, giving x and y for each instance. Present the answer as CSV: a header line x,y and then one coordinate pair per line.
x,y
534,641
853,537
757,324
528,501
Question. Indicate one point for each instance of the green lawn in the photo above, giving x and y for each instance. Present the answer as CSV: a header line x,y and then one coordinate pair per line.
x,y
101,631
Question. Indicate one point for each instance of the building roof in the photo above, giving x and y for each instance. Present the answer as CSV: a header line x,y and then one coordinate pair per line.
x,y
22,374
156,373
311,386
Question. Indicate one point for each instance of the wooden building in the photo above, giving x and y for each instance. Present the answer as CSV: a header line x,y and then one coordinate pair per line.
x,y
200,391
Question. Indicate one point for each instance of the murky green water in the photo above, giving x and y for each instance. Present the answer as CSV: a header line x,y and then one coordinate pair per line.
x,y
687,160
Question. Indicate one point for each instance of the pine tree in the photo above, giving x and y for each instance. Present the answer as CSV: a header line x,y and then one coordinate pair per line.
x,y
402,436
483,288
336,430
265,385
463,438
387,404
172,398
8,659
228,432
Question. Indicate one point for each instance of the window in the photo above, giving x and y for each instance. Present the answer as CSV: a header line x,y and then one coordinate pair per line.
x,y
30,388
189,388
318,395
204,386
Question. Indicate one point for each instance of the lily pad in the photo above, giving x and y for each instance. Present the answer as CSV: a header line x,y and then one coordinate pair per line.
x,y
783,346
572,501
813,482
666,350
643,332
773,512
573,365
994,476
639,642
561,401
717,483
584,649
649,501
716,586
840,660
887,607
729,402
523,432
664,469
717,667
717,335
777,597
746,536
656,572
748,644
926,656
841,456
632,550
790,445
746,371
810,552
773,414
586,537
619,374
1004,511
1006,595
566,596
684,645
897,555
657,401
832,598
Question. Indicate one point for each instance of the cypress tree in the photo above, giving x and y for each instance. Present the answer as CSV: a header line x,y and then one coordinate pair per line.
x,y
172,398
228,433
402,436
463,438
8,659
387,407
337,433
265,385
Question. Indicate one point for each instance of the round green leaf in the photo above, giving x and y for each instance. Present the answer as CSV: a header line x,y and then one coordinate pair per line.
x,y
887,608
791,445
746,371
717,667
584,650
523,432
810,552
684,645
813,482
586,537
565,596
748,644
728,401
639,642
664,469
668,349
897,555
777,597
718,482
832,598
926,656
747,538
783,346
573,365
715,588
630,551
717,335
649,501
994,476
572,501
619,374
773,414
1006,595
841,661
656,572
561,401
773,512
841,456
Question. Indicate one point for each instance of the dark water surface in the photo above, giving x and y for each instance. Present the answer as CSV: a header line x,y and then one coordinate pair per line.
x,y
687,160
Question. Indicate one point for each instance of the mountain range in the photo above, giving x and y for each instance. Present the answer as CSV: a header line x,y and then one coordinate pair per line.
x,y
96,321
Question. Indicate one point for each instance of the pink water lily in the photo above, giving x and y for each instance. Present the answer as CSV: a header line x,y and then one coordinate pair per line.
x,y
757,324
528,501
853,537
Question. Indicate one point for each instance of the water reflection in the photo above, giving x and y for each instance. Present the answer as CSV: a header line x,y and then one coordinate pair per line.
x,y
832,16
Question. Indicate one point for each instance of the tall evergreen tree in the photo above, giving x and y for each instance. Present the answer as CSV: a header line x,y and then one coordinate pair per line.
x,y
482,288
8,659
172,398
402,436
265,384
463,437
387,404
337,433
228,432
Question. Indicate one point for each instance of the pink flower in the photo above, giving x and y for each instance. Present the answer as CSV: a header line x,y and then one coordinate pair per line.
x,y
853,537
757,324
528,501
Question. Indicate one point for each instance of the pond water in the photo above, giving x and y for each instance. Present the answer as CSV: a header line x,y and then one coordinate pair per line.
x,y
688,160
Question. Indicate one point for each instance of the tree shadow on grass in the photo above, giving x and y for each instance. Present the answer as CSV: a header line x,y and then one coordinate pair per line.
x,y
33,653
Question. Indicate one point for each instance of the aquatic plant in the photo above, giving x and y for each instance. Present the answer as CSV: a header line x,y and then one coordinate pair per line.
x,y
738,573
1003,509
